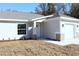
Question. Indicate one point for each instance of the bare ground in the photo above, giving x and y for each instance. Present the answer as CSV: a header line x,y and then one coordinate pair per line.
x,y
36,48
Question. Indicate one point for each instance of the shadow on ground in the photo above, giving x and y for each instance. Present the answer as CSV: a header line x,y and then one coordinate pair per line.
x,y
51,39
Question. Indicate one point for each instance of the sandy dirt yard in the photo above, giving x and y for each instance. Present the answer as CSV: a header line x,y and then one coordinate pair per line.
x,y
36,48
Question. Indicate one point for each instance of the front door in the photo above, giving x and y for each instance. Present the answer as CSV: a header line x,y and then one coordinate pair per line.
x,y
38,29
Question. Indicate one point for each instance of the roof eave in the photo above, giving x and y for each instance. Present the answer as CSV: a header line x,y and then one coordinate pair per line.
x,y
14,20
69,19
44,17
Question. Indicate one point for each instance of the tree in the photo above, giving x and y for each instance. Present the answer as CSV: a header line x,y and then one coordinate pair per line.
x,y
41,9
45,9
63,8
71,9
75,10
50,8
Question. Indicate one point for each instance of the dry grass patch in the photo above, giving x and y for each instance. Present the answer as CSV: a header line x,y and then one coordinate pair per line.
x,y
35,48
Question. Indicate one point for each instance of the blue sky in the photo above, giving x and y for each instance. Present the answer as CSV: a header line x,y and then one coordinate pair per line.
x,y
26,7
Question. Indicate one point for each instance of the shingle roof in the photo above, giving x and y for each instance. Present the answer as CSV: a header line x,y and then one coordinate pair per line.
x,y
18,15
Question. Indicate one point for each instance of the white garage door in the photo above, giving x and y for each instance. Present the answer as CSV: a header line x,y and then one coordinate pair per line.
x,y
68,32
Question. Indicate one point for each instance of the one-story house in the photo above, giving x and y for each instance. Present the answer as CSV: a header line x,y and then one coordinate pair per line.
x,y
15,24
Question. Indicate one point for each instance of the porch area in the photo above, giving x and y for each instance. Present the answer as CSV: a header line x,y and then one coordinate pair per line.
x,y
37,29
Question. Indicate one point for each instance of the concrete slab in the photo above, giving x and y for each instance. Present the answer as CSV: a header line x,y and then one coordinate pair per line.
x,y
73,41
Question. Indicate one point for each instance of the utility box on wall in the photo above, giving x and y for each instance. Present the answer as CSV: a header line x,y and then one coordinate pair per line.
x,y
59,36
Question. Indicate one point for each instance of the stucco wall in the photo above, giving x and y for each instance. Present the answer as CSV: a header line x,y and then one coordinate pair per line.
x,y
51,27
9,31
30,29
42,30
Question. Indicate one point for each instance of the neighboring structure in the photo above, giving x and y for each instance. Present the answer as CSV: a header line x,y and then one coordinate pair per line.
x,y
14,25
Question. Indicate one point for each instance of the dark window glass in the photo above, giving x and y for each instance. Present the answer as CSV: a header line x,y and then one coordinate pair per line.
x,y
21,26
21,29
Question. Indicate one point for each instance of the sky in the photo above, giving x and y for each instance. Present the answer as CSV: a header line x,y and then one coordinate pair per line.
x,y
26,7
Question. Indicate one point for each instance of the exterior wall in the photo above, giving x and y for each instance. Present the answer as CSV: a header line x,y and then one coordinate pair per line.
x,y
9,31
30,29
42,30
38,29
76,28
51,27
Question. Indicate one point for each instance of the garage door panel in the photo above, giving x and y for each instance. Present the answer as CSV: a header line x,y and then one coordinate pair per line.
x,y
68,31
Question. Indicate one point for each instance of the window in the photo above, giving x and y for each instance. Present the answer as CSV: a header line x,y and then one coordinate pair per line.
x,y
21,29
